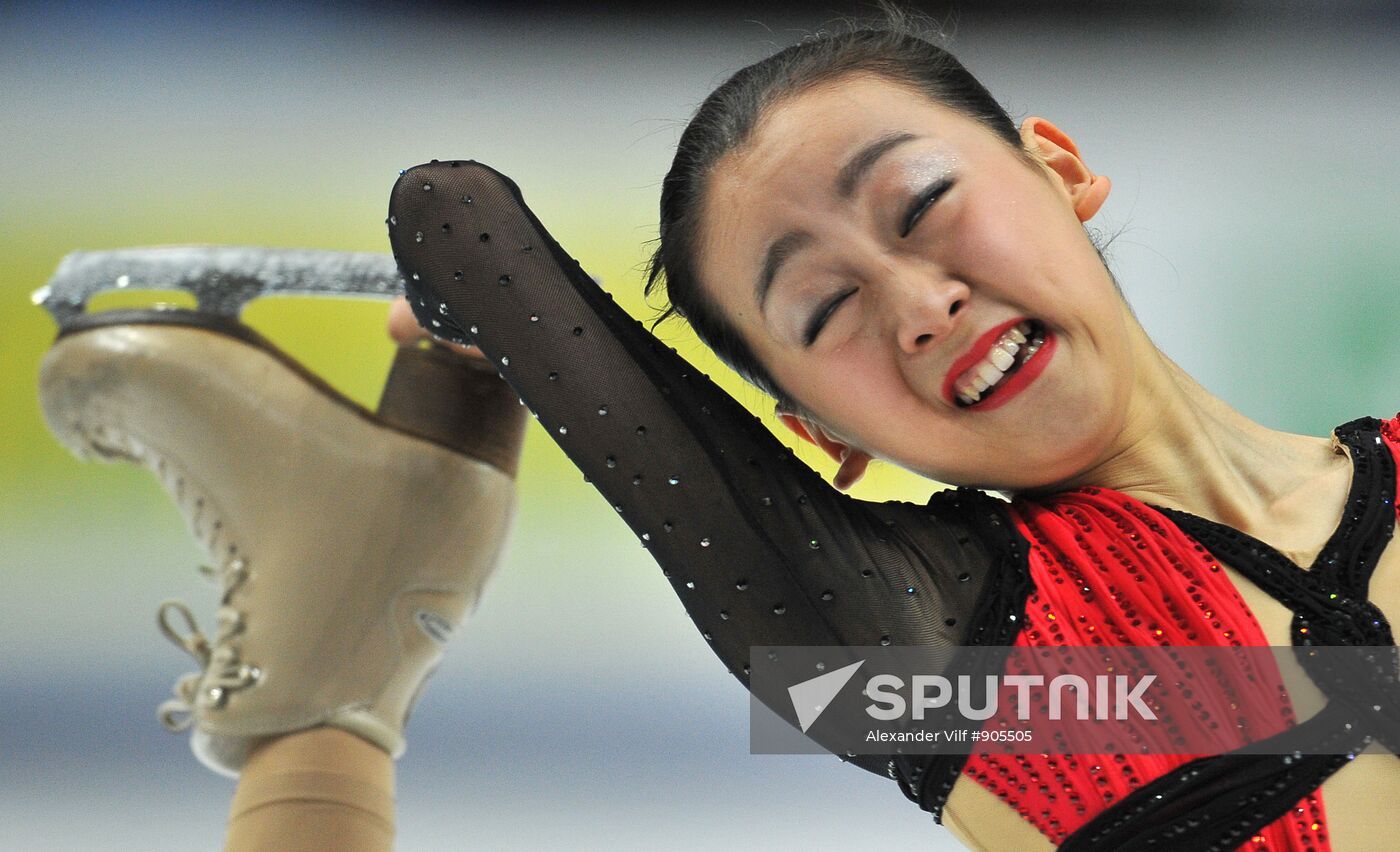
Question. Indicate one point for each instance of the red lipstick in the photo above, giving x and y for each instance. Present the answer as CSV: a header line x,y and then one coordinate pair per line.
x,y
1020,376
974,354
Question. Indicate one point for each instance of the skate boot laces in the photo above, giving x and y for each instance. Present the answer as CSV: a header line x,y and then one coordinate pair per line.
x,y
222,672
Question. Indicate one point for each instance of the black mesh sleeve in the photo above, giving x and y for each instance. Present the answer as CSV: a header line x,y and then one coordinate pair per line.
x,y
758,547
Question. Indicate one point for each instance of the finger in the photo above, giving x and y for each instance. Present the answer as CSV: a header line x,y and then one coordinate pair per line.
x,y
405,330
403,325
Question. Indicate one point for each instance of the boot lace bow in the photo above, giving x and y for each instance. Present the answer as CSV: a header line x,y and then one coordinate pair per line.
x,y
222,672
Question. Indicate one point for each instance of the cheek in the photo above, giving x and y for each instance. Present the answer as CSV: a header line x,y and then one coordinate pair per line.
x,y
1014,239
989,243
854,389
869,402
833,386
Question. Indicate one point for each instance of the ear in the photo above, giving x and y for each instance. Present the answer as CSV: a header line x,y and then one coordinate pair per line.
x,y
853,461
1087,191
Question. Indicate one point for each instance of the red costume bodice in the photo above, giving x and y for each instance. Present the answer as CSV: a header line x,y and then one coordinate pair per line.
x,y
1110,570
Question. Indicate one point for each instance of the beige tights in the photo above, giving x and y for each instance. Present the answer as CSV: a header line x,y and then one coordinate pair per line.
x,y
318,789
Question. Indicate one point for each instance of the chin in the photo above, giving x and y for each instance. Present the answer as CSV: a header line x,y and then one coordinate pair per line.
x,y
1073,454
1051,454
1051,462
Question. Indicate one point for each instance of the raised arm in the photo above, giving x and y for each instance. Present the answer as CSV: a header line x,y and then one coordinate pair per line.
x,y
758,547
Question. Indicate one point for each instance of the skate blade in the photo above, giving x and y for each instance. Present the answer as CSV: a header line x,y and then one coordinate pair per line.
x,y
222,279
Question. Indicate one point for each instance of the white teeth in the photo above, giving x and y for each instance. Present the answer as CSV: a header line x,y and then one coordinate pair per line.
x,y
987,372
993,367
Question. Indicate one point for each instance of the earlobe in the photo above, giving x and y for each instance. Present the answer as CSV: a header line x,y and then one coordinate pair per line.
x,y
1087,191
853,466
853,461
1093,198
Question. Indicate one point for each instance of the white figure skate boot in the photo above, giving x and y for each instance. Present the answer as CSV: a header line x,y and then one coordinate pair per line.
x,y
348,543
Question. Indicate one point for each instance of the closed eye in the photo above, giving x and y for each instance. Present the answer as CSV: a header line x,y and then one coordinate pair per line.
x,y
921,203
818,321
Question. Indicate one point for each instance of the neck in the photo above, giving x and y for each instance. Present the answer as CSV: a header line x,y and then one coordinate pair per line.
x,y
1185,448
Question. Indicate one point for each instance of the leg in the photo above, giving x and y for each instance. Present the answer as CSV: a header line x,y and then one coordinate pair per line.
x,y
317,789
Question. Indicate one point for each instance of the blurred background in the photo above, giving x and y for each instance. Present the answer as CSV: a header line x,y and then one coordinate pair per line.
x,y
1251,146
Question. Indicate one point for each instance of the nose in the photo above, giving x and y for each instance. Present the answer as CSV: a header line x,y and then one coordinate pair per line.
x,y
927,309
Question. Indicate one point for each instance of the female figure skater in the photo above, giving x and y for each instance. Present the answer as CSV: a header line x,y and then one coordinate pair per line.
x,y
859,229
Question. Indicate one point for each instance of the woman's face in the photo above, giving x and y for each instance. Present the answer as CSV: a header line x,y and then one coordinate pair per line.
x,y
873,247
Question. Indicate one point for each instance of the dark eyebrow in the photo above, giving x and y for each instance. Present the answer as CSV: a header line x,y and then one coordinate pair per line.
x,y
859,165
782,248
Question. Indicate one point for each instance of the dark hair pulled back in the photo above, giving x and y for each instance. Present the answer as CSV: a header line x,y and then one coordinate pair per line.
x,y
897,48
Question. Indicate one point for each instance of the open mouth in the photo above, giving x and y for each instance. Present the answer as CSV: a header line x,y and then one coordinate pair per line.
x,y
1011,350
